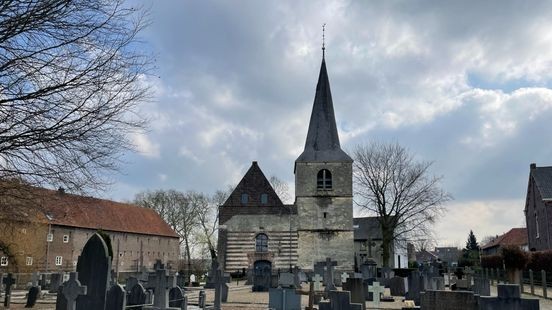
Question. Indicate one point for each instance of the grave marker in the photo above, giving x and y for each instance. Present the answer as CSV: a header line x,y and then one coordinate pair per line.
x,y
316,279
72,289
509,298
339,300
137,295
8,282
176,297
161,283
344,277
116,298
328,275
377,290
93,268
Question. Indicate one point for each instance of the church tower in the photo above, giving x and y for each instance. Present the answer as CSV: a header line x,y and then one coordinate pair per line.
x,y
323,188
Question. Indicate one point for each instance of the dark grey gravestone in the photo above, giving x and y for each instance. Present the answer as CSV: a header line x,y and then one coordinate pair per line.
x,y
210,283
368,296
219,282
32,296
161,283
397,286
137,296
368,270
56,279
509,298
93,268
356,287
319,268
482,286
130,283
329,284
61,302
176,297
439,300
116,298
387,273
463,285
339,300
201,299
72,290
8,282
414,287
286,280
35,279
43,283
436,284
284,298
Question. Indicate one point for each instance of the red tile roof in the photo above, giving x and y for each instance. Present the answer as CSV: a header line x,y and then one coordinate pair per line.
x,y
93,213
516,236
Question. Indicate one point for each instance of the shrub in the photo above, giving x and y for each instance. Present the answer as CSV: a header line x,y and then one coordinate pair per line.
x,y
541,260
491,261
514,257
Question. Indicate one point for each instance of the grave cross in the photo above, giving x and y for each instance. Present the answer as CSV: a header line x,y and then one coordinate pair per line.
x,y
344,277
370,245
72,289
317,278
8,282
329,282
160,282
376,289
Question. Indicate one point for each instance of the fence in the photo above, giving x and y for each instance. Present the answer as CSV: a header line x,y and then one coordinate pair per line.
x,y
533,283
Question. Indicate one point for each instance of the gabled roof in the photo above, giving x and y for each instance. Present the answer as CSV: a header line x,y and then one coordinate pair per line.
x,y
543,180
322,143
254,184
366,227
60,208
516,236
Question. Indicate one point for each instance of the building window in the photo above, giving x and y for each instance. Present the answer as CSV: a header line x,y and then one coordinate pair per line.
x,y
29,261
261,243
24,231
264,199
59,260
65,238
324,179
537,223
50,237
3,261
244,198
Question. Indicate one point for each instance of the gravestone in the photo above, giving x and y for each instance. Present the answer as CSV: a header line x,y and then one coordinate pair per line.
x,y
161,283
344,277
356,287
387,273
286,280
137,295
328,275
43,283
35,279
369,269
319,268
450,300
397,286
219,282
192,278
482,286
316,279
462,285
116,298
377,290
414,286
509,298
284,298
176,297
210,282
130,283
71,291
32,296
56,279
339,300
201,299
436,284
369,296
93,268
8,282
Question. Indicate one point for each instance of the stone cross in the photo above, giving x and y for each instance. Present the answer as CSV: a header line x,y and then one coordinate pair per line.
x,y
8,282
329,282
344,277
376,289
317,279
160,282
73,289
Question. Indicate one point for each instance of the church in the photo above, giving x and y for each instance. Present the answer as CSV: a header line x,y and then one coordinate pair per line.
x,y
258,231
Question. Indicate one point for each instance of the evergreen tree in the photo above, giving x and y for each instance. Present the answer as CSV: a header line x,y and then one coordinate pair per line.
x,y
472,245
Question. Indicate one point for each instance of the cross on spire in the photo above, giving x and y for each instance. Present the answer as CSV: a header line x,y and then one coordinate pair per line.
x,y
323,41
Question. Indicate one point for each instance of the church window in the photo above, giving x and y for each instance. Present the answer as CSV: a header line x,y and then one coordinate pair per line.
x,y
261,243
537,223
244,198
264,199
324,179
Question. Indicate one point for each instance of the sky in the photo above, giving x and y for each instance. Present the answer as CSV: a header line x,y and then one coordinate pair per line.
x,y
464,84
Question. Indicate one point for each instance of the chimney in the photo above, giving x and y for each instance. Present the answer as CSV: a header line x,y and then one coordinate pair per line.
x,y
533,166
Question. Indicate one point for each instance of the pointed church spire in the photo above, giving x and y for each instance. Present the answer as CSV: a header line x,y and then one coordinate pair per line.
x,y
322,139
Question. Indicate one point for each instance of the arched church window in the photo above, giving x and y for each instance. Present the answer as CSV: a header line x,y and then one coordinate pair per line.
x,y
264,199
324,179
244,198
261,243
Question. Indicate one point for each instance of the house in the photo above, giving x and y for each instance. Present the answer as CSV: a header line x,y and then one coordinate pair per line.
x,y
49,228
425,256
368,240
449,255
514,237
538,208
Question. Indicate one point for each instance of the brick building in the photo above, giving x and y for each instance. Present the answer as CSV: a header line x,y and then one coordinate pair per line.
x,y
48,233
514,237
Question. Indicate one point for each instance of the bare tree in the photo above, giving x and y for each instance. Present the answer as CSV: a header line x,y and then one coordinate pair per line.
x,y
71,75
281,188
390,183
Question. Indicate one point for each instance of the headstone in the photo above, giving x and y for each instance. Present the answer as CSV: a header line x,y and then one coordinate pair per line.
x,y
436,284
116,298
344,277
463,285
176,297
450,300
368,269
137,295
35,279
319,268
32,296
161,283
414,286
286,280
56,279
397,286
219,282
509,298
130,283
366,283
387,273
93,268
210,283
71,290
339,300
482,286
356,287
201,299
328,275
8,282
377,290
284,298
192,278
316,279
43,283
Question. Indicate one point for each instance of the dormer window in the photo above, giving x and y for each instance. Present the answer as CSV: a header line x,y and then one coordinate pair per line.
x,y
324,179
244,199
264,199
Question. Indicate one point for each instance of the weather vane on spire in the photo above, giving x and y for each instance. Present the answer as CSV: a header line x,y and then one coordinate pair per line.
x,y
323,40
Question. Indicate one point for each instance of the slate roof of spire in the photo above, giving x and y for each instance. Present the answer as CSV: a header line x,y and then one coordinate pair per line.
x,y
254,183
322,139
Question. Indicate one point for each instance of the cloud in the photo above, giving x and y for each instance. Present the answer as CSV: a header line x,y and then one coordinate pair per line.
x,y
144,146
